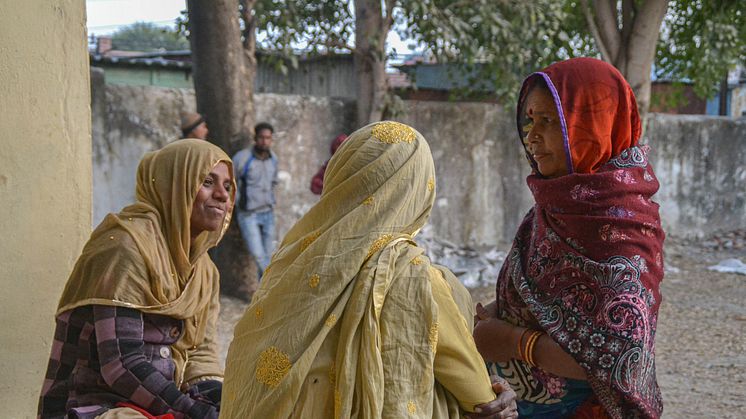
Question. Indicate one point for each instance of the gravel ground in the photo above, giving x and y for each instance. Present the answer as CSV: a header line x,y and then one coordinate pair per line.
x,y
701,341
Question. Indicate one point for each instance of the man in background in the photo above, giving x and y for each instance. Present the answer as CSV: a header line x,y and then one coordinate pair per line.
x,y
193,125
255,170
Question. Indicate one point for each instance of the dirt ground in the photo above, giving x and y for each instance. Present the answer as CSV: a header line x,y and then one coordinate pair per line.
x,y
701,339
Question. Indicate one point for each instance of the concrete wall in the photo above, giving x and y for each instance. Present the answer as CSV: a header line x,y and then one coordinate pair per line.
x,y
482,195
45,183
700,162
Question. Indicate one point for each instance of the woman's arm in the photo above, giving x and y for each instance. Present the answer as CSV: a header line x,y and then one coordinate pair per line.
x,y
458,366
497,341
204,363
124,367
203,376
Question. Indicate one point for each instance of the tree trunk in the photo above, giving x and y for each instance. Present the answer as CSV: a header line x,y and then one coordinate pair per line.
x,y
723,102
369,55
631,47
223,83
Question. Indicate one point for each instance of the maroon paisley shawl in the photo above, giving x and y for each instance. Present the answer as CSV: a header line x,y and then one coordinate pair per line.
x,y
586,263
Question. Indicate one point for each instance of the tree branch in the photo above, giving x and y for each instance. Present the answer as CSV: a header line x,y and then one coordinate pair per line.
x,y
594,31
389,20
249,30
643,38
628,19
337,43
606,19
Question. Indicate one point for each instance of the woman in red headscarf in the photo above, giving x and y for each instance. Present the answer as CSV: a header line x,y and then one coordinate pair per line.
x,y
317,182
573,325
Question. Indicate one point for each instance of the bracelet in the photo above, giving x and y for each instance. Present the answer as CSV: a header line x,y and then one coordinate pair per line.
x,y
529,350
521,356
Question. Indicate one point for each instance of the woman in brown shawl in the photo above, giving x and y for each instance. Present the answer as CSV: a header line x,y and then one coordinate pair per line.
x,y
136,323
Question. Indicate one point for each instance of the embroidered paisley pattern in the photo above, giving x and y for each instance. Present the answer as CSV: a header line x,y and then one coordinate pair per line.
x,y
598,301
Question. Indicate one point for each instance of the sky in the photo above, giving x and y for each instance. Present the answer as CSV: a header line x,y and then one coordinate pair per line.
x,y
106,16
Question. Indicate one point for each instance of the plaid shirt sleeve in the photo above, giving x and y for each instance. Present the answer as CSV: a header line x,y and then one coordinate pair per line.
x,y
124,367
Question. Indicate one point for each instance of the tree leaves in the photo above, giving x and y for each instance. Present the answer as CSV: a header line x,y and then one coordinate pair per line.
x,y
700,41
146,37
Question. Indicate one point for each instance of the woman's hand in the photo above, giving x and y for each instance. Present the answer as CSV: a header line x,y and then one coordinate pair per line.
x,y
497,340
485,312
503,407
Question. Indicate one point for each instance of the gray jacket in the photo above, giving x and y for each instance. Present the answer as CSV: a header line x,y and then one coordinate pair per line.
x,y
261,179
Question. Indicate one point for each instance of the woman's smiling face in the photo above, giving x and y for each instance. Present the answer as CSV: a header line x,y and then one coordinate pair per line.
x,y
544,139
213,200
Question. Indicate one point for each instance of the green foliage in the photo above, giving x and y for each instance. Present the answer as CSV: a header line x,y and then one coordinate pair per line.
x,y
146,37
499,41
702,40
672,98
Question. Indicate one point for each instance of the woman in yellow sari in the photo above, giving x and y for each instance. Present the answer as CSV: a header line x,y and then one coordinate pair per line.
x,y
352,320
136,323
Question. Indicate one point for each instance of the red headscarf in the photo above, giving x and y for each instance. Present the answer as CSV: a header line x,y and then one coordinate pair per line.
x,y
586,263
598,111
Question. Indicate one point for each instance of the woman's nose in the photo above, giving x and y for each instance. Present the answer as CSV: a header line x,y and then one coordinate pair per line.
x,y
221,193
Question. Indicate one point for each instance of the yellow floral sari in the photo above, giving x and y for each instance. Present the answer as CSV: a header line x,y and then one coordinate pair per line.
x,y
351,320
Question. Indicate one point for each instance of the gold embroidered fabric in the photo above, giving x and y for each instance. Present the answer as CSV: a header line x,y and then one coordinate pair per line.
x,y
306,242
272,367
393,133
342,336
379,244
313,281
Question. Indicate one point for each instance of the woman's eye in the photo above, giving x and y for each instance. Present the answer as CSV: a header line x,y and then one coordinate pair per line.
x,y
207,182
228,187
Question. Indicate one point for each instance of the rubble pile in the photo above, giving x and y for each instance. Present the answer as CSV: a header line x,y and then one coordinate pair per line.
x,y
474,267
735,239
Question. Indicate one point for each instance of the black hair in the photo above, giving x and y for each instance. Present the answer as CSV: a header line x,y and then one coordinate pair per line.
x,y
263,125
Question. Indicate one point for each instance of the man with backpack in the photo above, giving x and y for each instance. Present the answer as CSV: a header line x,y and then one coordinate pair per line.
x,y
256,176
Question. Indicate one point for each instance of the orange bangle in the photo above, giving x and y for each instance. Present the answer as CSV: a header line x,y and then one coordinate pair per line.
x,y
521,357
530,345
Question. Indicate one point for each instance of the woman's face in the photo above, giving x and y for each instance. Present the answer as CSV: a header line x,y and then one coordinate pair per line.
x,y
212,202
544,134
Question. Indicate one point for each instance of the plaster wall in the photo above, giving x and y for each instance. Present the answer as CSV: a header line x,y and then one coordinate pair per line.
x,y
45,182
482,195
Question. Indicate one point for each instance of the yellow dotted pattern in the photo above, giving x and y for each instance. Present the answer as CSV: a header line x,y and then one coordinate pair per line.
x,y
313,281
258,312
379,244
417,261
272,367
432,336
411,407
368,201
333,374
393,133
308,240
431,184
331,320
337,403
